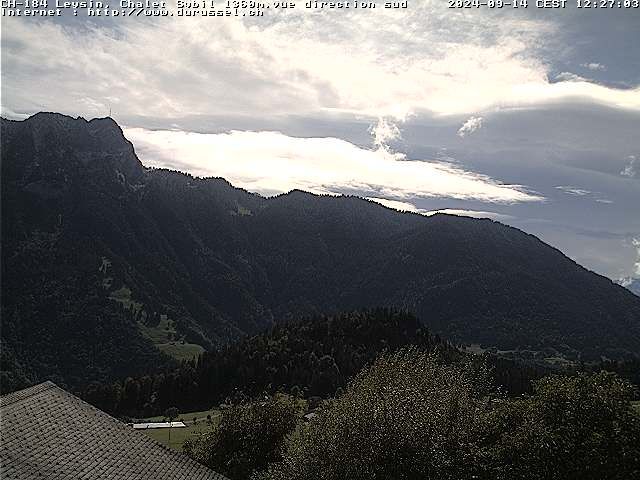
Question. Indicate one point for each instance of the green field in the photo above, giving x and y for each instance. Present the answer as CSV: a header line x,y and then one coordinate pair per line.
x,y
184,417
163,335
165,338
181,351
123,296
636,406
179,435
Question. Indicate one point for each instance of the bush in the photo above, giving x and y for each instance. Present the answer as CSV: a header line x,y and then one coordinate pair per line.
x,y
248,437
408,417
578,427
405,417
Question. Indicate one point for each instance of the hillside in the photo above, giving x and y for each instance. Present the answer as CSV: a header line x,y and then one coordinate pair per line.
x,y
107,264
308,357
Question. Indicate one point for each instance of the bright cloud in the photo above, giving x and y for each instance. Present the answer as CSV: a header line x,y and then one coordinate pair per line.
x,y
383,63
383,132
397,205
410,207
271,163
570,77
470,126
471,213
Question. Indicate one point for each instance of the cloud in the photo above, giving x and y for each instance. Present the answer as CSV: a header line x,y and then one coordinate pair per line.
x,y
398,205
630,169
410,207
569,77
636,243
8,113
582,192
625,281
332,74
471,213
271,163
569,190
471,125
380,63
635,274
596,67
383,132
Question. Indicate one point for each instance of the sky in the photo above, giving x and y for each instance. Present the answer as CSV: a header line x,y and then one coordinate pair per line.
x,y
528,116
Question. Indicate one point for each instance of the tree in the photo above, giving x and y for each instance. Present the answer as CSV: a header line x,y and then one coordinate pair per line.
x,y
248,436
409,417
579,427
405,417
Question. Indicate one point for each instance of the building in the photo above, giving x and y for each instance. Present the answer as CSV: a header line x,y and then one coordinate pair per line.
x,y
48,433
154,425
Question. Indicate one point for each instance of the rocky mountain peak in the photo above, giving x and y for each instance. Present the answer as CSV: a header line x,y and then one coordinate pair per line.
x,y
56,143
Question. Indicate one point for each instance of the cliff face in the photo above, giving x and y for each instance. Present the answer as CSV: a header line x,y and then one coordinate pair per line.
x,y
49,146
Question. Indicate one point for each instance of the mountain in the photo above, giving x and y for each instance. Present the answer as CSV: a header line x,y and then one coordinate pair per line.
x,y
113,269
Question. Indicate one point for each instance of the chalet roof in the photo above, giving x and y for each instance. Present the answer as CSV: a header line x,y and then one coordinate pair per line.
x,y
48,433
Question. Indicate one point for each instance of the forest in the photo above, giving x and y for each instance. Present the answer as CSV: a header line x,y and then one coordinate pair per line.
x,y
114,270
311,357
361,393
408,415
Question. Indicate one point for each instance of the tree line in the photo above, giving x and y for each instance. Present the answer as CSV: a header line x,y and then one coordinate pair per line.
x,y
411,415
307,358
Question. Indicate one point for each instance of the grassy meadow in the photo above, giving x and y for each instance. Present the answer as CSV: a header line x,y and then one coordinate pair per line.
x,y
179,435
163,335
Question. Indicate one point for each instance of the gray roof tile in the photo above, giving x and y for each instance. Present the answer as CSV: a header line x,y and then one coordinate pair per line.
x,y
49,433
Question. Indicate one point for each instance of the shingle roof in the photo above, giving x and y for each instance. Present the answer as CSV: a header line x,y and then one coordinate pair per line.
x,y
48,433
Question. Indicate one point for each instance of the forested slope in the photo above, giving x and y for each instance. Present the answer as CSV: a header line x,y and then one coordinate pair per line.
x,y
106,264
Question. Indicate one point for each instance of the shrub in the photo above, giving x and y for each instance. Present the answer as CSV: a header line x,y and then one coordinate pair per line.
x,y
579,427
408,417
248,437
405,417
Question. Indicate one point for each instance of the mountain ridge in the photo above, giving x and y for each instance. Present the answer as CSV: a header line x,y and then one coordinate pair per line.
x,y
179,261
